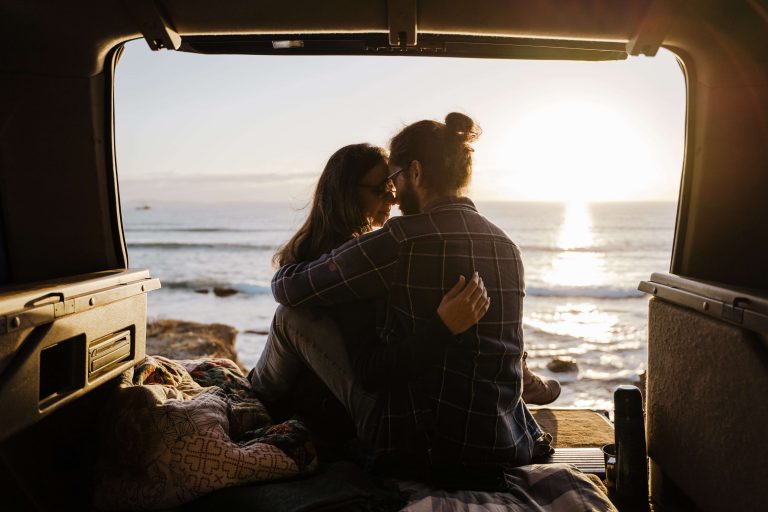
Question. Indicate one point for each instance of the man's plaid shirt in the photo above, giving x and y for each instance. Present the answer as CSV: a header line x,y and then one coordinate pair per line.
x,y
471,399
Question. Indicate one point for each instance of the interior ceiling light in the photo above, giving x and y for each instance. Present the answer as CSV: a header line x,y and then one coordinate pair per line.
x,y
282,45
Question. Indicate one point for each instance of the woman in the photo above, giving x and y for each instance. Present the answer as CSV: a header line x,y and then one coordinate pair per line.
x,y
352,197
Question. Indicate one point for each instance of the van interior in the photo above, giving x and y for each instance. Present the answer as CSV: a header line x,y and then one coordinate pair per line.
x,y
73,313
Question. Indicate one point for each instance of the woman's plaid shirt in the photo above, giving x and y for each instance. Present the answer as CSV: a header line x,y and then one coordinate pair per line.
x,y
470,401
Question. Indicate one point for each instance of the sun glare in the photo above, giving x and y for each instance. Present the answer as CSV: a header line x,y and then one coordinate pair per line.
x,y
576,232
576,151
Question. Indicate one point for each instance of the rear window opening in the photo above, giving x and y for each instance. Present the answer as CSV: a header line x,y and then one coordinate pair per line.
x,y
579,162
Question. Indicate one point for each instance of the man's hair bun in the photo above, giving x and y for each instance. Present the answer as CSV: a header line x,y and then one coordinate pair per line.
x,y
462,126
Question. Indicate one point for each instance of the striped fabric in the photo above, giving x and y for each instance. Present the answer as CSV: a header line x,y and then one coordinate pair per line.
x,y
471,400
540,487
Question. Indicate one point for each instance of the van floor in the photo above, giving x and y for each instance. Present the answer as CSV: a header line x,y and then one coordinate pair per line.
x,y
575,428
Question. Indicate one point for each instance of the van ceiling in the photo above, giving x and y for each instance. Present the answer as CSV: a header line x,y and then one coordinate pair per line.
x,y
73,37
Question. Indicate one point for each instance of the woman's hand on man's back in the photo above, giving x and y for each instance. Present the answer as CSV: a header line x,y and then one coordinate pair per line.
x,y
464,304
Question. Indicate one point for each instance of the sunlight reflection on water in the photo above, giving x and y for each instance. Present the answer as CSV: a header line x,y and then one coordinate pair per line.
x,y
576,231
583,320
575,266
586,330
577,269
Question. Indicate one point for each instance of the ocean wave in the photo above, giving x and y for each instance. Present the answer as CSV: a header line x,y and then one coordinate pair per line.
x,y
585,291
202,284
180,246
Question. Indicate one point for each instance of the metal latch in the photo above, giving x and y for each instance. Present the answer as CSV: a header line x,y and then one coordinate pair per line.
x,y
735,312
153,24
108,351
402,22
653,28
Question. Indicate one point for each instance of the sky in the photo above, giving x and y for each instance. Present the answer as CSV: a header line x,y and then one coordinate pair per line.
x,y
261,128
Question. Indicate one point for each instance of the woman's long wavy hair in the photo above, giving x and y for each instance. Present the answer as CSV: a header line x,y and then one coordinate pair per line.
x,y
335,214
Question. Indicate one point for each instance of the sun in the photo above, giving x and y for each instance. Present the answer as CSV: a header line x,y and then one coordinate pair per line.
x,y
575,151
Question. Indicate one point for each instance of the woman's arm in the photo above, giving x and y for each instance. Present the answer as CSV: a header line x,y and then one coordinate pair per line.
x,y
357,270
377,366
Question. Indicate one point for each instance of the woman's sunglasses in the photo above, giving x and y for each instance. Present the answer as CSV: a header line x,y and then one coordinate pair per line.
x,y
382,189
387,186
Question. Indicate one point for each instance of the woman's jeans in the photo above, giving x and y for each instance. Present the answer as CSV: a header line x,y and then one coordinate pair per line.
x,y
301,339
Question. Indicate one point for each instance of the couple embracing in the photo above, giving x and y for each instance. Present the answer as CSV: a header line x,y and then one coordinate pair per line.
x,y
414,327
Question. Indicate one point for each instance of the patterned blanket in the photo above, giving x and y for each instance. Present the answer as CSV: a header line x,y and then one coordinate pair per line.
x,y
175,430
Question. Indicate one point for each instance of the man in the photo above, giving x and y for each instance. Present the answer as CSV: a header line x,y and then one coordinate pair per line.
x,y
457,398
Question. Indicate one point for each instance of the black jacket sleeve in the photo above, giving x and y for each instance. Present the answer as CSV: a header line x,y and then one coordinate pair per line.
x,y
378,366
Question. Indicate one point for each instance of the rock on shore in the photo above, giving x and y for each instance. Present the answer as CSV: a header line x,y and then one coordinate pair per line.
x,y
562,365
178,339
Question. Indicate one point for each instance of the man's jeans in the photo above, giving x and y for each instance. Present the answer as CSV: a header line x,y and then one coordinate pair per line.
x,y
300,339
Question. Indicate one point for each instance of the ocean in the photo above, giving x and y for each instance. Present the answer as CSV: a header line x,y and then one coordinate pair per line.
x,y
582,262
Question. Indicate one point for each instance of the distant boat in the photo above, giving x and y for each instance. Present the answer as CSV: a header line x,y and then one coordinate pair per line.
x,y
144,207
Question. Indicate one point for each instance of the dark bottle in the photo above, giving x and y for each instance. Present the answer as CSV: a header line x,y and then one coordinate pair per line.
x,y
629,429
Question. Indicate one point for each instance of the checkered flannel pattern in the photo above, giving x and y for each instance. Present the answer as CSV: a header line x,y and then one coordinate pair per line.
x,y
471,399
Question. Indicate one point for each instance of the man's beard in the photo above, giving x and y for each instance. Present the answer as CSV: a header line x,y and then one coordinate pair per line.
x,y
409,201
